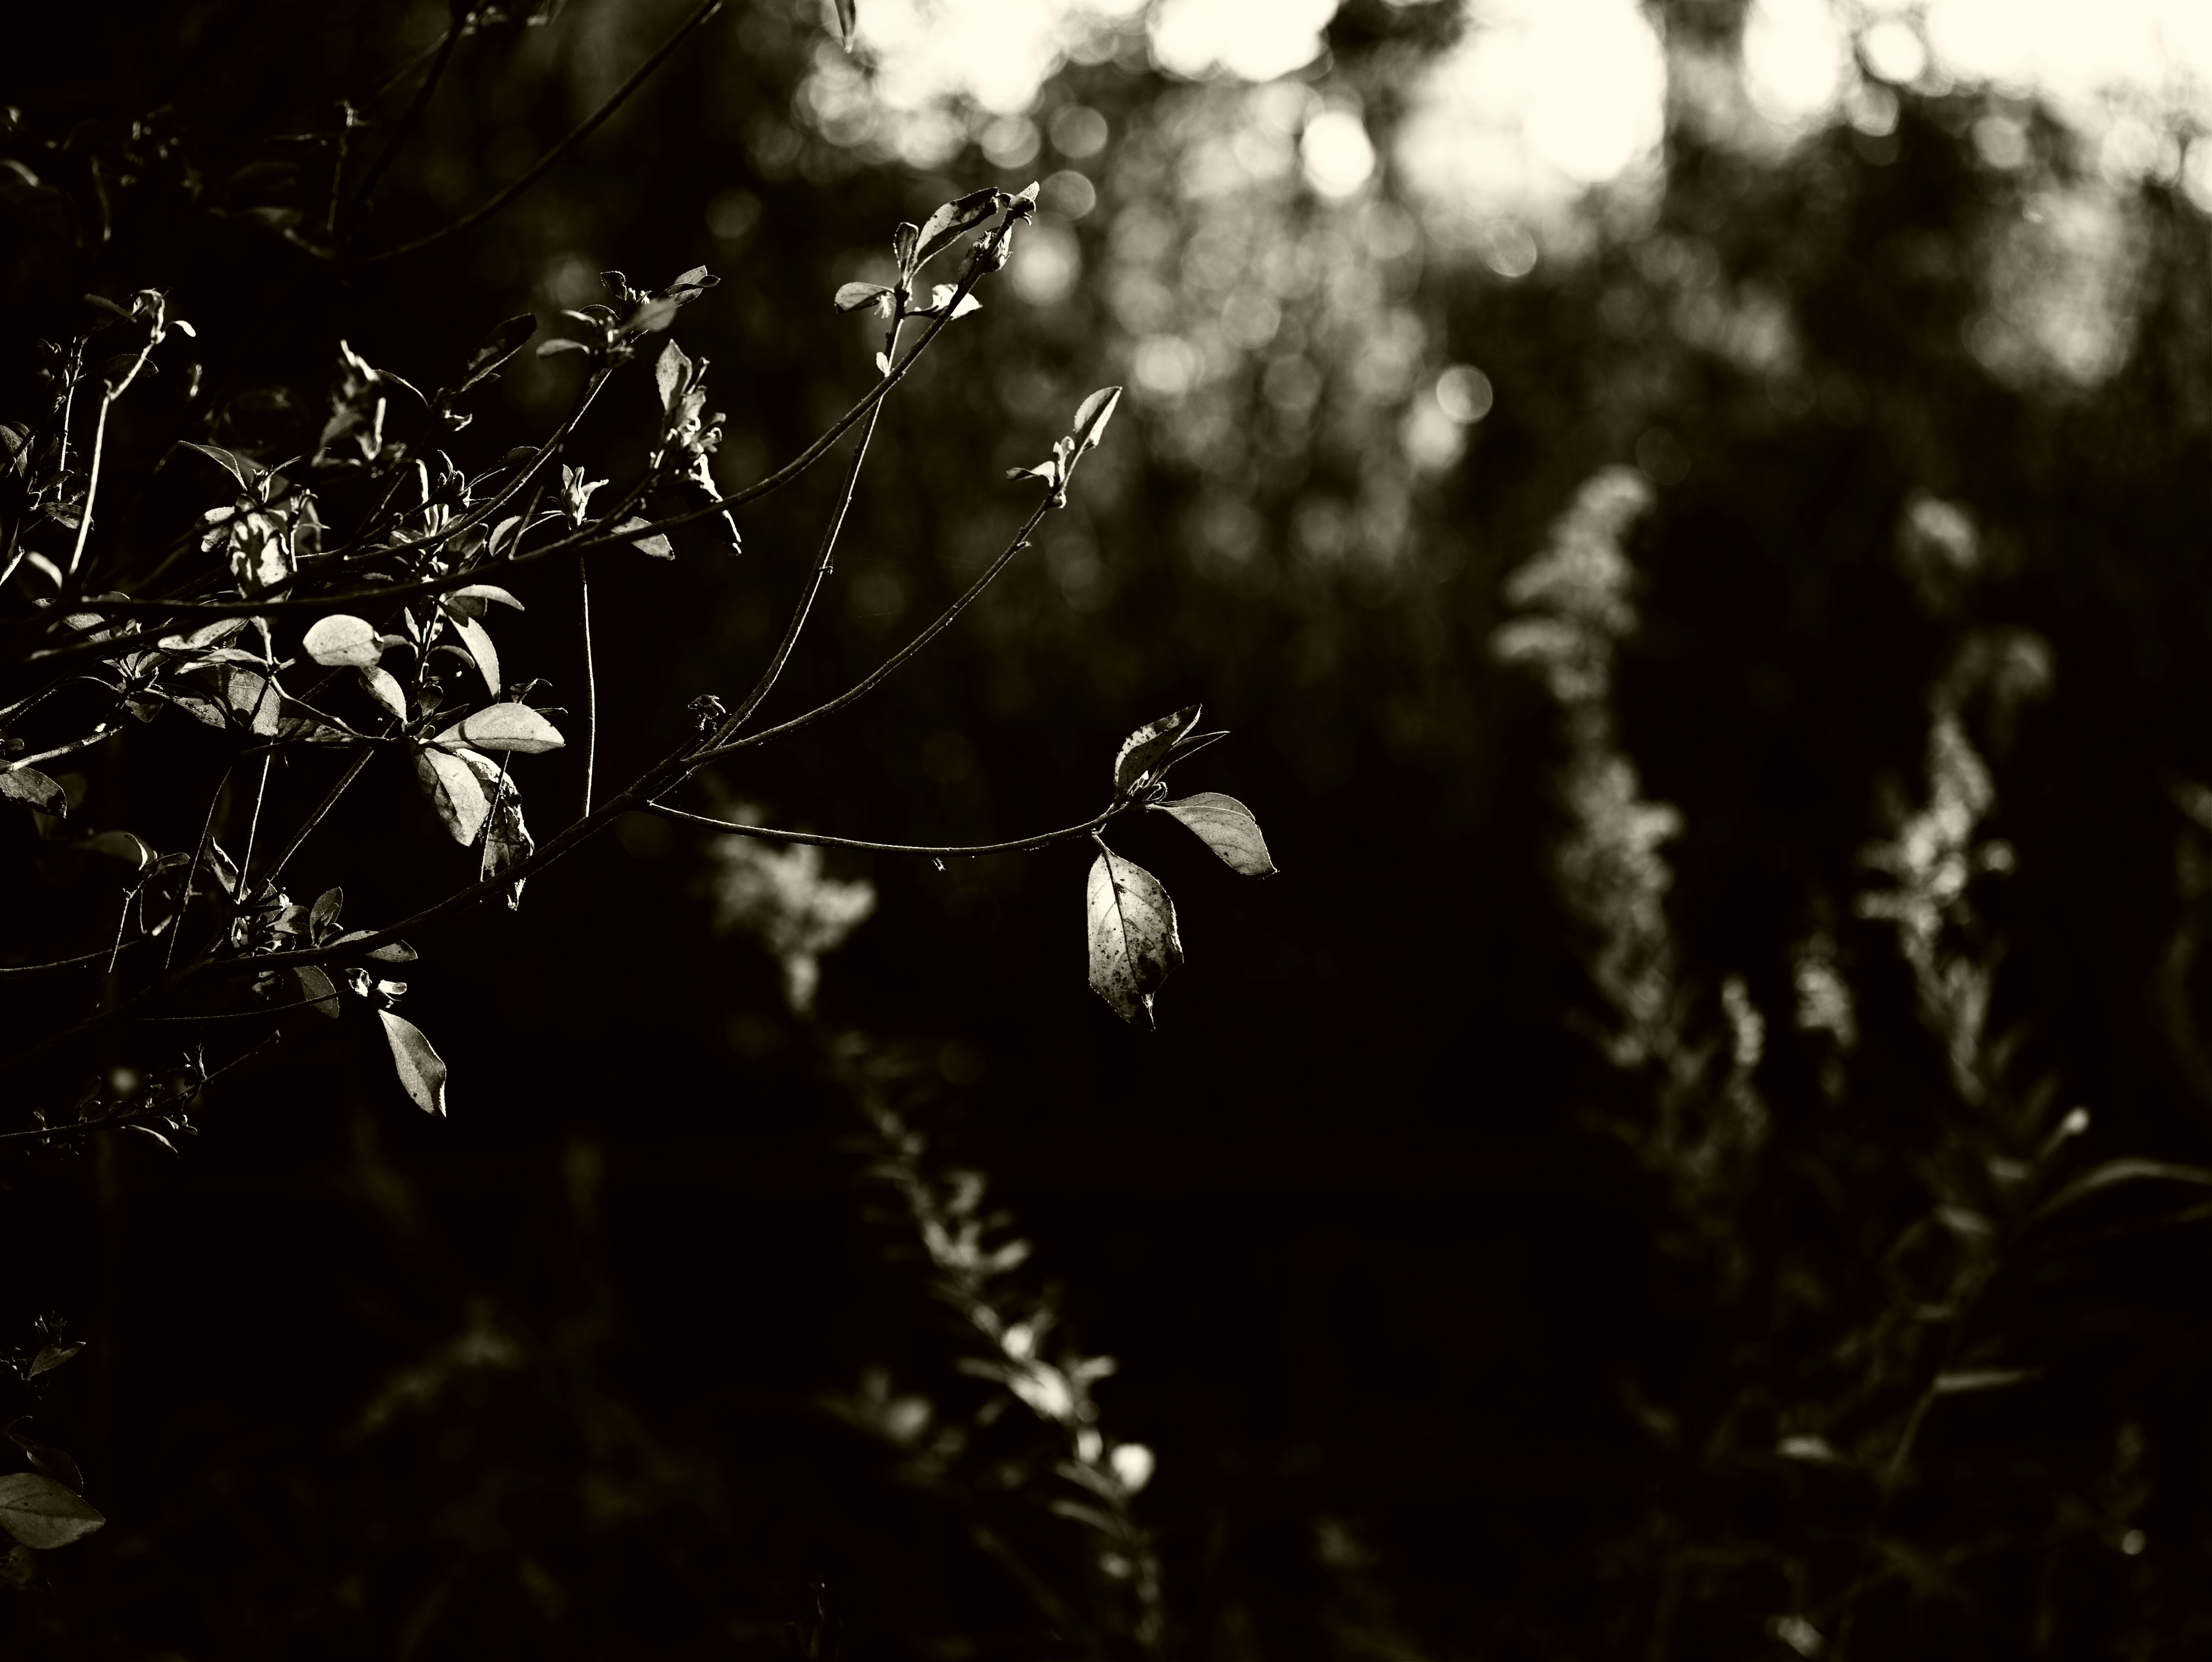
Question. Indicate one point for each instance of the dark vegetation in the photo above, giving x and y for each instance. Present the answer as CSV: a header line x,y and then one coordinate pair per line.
x,y
1703,1152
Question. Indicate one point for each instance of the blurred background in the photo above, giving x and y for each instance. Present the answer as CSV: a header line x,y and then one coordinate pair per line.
x,y
1635,480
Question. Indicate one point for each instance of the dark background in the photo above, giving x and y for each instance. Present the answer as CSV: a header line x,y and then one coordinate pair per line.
x,y
1386,1297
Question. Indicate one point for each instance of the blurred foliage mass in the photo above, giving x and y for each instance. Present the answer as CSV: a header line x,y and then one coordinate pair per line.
x,y
1723,668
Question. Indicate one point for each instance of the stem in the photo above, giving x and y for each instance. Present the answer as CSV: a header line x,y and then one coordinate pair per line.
x,y
591,679
1019,845
139,1116
61,962
193,871
404,128
108,397
329,801
590,125
252,829
883,671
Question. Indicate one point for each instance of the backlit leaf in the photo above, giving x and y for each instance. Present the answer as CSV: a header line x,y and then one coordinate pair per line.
x,y
672,374
421,1070
315,989
954,217
51,1357
454,790
1144,751
123,846
1227,827
478,640
506,726
29,785
1134,945
851,296
42,1513
243,469
383,687
1090,419
657,544
343,639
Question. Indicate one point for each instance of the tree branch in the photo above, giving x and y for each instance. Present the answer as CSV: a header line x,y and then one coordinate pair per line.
x,y
1019,845
404,127
577,134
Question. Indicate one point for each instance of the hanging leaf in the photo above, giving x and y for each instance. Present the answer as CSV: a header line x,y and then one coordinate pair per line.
x,y
342,639
122,845
853,295
657,544
505,727
383,687
1227,827
1143,751
29,785
477,639
507,844
421,1070
1134,945
42,1513
455,791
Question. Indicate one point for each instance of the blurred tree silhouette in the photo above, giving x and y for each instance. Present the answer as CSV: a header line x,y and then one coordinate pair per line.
x,y
1558,1219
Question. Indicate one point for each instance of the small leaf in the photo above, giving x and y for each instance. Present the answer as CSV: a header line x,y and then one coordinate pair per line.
x,y
506,726
489,591
393,951
123,846
672,374
853,295
657,544
29,785
45,1457
342,639
951,220
243,469
1134,945
500,344
1957,1381
42,1513
316,990
1227,827
420,1071
455,791
848,21
323,916
2122,1170
51,1357
383,687
478,640
561,343
1091,417
1144,751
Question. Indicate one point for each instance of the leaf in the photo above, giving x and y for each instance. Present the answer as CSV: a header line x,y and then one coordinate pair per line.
x,y
45,1457
51,1357
500,344
1134,945
29,785
1091,416
243,469
123,846
323,915
481,591
1189,745
42,1513
343,639
315,987
420,1071
1144,751
848,21
1957,1381
507,844
1227,827
851,296
477,639
672,374
561,345
393,951
454,790
941,296
2122,1170
505,727
383,687
951,220
657,544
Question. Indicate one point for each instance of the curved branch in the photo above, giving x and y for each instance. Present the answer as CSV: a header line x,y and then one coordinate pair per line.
x,y
1019,845
576,136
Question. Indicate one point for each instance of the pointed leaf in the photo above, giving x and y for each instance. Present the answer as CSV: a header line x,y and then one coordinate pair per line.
x,y
1134,945
672,374
343,639
421,1070
657,544
851,296
455,791
45,1457
487,591
505,727
500,344
243,469
477,639
2122,1170
123,846
383,687
393,951
317,991
1144,751
1227,827
323,916
29,785
1091,417
51,1357
42,1513
951,220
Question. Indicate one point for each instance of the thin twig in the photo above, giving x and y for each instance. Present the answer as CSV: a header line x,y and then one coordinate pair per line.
x,y
404,128
590,679
329,801
768,833
140,1116
66,962
590,125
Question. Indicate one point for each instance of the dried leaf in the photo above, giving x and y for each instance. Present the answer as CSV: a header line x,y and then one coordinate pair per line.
x,y
505,727
42,1513
342,639
1227,827
1134,945
421,1070
1145,751
29,785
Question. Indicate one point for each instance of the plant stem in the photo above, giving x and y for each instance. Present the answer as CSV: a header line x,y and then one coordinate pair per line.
x,y
404,128
329,801
1019,845
576,136
590,679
